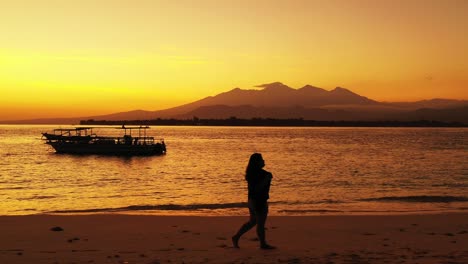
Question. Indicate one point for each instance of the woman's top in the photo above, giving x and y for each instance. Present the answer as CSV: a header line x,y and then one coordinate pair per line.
x,y
259,185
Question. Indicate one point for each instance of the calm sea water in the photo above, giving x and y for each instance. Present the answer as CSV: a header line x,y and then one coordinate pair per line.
x,y
315,170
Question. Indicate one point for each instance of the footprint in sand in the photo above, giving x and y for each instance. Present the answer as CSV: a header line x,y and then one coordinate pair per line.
x,y
71,240
294,260
12,250
56,229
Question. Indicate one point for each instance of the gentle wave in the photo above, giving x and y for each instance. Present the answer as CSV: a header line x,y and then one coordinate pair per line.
x,y
310,211
38,197
323,201
164,207
417,199
190,207
324,211
11,188
195,207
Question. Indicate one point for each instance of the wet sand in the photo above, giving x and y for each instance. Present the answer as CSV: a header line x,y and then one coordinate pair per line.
x,y
437,238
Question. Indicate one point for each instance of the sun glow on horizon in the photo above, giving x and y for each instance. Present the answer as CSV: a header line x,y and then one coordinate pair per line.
x,y
65,59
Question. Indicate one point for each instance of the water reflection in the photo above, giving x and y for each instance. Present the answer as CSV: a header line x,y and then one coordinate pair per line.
x,y
205,165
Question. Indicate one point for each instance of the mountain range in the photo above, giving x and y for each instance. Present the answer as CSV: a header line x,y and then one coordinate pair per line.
x,y
276,100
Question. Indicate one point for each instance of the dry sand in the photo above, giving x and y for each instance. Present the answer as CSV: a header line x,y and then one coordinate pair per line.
x,y
438,238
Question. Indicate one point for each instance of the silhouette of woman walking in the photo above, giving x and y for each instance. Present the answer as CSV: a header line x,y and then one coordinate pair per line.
x,y
258,181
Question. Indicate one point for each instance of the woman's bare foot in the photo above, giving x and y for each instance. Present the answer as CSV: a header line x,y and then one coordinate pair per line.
x,y
235,241
266,246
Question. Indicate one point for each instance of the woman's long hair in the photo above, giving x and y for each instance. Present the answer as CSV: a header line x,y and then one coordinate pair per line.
x,y
256,163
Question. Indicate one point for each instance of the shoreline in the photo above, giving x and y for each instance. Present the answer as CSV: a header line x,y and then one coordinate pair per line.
x,y
244,213
123,238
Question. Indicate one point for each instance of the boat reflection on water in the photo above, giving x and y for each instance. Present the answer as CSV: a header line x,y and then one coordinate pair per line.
x,y
82,140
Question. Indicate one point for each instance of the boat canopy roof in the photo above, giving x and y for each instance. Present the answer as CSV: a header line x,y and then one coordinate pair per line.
x,y
133,127
88,128
73,129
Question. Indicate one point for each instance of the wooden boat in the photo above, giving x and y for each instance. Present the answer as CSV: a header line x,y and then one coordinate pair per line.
x,y
82,140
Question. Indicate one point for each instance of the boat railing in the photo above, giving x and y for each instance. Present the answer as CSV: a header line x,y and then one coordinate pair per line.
x,y
126,140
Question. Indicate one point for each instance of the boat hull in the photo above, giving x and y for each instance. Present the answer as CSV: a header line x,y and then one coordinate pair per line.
x,y
111,149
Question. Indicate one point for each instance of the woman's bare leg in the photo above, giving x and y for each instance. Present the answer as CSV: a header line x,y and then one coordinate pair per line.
x,y
261,220
244,228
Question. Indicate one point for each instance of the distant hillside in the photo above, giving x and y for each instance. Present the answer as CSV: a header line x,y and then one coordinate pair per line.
x,y
459,114
276,100
323,114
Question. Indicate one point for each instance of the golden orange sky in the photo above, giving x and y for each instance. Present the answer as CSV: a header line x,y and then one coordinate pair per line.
x,y
78,58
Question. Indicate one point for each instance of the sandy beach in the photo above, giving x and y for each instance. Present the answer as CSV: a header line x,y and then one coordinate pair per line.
x,y
438,238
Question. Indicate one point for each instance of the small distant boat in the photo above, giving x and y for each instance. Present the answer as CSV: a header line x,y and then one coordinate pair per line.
x,y
82,140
